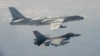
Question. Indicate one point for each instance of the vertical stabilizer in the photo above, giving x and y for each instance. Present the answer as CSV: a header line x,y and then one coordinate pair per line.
x,y
40,39
38,35
16,14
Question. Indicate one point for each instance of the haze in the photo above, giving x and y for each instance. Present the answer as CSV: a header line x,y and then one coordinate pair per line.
x,y
18,40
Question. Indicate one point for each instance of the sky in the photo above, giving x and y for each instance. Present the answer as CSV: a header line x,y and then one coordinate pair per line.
x,y
17,40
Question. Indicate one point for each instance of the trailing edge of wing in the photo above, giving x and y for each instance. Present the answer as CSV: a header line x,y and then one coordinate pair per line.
x,y
56,24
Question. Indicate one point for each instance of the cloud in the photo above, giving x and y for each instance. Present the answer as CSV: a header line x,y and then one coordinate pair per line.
x,y
98,15
42,12
4,4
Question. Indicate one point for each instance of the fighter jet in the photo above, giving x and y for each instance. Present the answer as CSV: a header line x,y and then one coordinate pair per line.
x,y
56,22
55,41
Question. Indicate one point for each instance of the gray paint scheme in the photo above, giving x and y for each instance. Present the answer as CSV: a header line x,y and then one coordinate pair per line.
x,y
28,21
47,41
18,40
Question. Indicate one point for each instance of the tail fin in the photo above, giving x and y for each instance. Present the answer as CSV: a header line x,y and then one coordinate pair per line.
x,y
16,14
38,35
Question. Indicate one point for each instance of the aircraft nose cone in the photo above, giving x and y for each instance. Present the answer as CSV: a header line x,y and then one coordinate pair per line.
x,y
82,17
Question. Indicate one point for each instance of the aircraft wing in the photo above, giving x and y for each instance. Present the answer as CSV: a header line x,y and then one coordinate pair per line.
x,y
56,24
59,41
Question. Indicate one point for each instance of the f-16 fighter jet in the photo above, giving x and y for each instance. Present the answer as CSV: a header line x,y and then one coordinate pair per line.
x,y
56,22
55,41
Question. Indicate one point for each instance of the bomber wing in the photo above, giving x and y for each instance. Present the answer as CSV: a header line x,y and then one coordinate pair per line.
x,y
56,24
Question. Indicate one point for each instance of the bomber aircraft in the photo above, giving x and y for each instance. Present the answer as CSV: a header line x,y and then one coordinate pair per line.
x,y
56,22
55,41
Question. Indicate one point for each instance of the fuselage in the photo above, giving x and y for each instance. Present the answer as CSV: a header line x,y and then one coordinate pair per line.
x,y
44,21
56,41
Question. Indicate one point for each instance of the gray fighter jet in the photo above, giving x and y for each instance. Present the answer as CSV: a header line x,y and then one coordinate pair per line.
x,y
56,22
55,41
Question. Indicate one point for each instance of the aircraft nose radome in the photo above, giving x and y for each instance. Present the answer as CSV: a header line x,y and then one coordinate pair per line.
x,y
82,17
